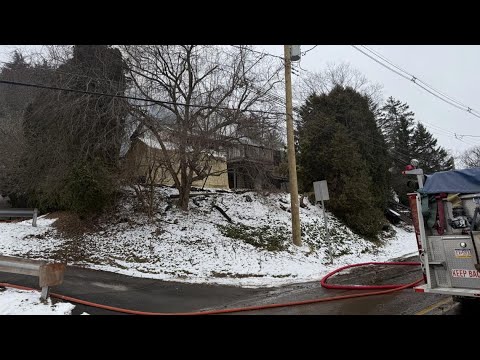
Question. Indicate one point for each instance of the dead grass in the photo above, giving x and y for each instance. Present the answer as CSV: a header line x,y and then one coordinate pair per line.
x,y
70,226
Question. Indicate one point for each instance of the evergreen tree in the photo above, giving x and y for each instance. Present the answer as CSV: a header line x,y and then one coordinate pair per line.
x,y
392,115
401,153
12,98
431,156
396,122
74,139
13,102
406,142
354,111
339,141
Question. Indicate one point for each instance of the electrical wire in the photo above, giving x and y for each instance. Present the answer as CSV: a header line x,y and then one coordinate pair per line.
x,y
264,53
417,81
413,76
427,88
133,97
274,98
450,133
463,135
307,51
72,74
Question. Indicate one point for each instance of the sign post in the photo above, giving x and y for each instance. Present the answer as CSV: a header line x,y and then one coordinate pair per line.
x,y
321,194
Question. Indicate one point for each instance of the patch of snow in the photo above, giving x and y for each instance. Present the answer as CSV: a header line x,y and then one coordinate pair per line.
x,y
22,302
394,212
19,238
395,197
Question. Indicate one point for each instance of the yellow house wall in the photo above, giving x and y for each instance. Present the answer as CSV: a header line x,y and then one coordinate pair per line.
x,y
140,154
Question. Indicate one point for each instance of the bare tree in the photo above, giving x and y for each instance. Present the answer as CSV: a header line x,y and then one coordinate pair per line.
x,y
471,157
207,91
143,169
337,74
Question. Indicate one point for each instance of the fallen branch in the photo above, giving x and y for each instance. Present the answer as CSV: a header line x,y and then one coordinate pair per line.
x,y
175,196
223,213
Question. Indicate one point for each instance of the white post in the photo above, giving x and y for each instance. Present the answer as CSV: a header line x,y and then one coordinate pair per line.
x,y
45,293
34,220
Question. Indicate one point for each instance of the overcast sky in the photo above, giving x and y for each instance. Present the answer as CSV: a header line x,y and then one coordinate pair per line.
x,y
451,69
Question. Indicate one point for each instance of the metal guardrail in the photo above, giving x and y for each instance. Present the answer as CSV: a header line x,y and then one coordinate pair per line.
x,y
33,213
49,274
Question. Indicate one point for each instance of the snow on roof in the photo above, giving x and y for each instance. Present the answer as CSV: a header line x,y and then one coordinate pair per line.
x,y
148,139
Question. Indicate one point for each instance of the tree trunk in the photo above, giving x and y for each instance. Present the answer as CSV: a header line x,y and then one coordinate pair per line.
x,y
184,194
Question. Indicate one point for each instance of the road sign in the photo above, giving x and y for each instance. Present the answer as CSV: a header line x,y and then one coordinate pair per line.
x,y
321,190
321,194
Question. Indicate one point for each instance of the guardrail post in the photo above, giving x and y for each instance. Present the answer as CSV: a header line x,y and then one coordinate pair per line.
x,y
45,292
49,274
35,213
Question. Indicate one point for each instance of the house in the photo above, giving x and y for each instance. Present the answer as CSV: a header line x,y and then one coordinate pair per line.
x,y
253,166
143,159
242,164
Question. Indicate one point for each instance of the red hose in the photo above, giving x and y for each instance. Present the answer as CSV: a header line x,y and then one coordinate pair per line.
x,y
324,284
391,289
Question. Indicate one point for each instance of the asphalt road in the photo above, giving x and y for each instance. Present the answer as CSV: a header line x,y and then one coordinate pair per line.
x,y
162,296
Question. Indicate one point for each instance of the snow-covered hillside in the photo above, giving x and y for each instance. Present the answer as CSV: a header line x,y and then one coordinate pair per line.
x,y
202,246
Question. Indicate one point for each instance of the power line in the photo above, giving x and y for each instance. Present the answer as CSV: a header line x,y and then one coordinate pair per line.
x,y
258,52
445,131
133,97
442,131
445,98
56,70
307,51
427,88
374,59
414,77
463,135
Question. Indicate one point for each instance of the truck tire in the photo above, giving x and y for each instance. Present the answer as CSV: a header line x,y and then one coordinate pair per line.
x,y
465,300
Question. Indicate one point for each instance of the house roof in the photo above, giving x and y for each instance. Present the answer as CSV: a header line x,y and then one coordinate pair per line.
x,y
147,138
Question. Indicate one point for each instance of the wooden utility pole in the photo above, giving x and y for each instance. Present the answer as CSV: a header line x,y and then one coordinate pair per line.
x,y
292,166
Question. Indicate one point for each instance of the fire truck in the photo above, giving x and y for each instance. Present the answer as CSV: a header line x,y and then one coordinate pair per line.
x,y
445,212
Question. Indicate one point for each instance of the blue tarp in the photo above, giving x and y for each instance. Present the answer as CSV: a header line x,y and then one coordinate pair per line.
x,y
454,181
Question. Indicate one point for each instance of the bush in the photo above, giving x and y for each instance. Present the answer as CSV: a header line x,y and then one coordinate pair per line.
x,y
264,237
88,188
